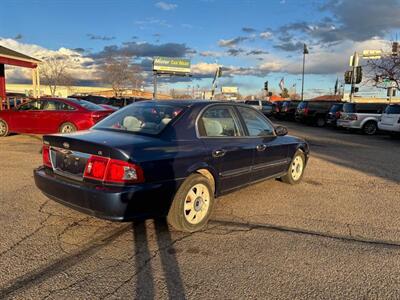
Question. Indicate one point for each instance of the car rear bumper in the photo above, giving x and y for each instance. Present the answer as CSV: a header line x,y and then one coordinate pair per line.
x,y
111,203
348,124
387,127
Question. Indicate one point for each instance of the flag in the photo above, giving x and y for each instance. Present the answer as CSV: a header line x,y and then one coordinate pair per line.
x,y
282,84
305,50
336,85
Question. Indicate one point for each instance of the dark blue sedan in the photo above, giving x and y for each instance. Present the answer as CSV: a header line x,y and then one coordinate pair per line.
x,y
170,158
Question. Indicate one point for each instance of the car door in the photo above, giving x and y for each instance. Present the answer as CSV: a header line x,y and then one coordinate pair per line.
x,y
53,114
271,153
26,118
221,132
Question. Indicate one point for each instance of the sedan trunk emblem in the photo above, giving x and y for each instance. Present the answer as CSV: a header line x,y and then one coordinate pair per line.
x,y
66,145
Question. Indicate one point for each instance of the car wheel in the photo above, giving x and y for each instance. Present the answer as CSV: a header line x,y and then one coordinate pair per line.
x,y
67,128
370,128
3,128
296,168
320,122
192,205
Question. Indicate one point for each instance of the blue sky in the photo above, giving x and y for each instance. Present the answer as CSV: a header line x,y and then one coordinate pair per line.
x,y
254,40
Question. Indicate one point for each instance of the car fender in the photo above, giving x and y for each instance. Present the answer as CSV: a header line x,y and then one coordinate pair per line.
x,y
367,119
201,166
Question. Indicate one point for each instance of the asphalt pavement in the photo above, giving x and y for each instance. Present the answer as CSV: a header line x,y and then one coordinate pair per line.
x,y
334,236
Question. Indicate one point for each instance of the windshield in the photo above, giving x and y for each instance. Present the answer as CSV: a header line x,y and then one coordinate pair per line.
x,y
150,118
86,104
349,108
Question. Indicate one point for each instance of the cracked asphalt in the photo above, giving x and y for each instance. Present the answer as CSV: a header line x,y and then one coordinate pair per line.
x,y
334,236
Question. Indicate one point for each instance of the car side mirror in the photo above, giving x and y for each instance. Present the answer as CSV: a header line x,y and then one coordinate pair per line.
x,y
281,130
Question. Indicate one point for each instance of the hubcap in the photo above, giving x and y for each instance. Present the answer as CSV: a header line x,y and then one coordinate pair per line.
x,y
196,205
67,129
2,128
297,168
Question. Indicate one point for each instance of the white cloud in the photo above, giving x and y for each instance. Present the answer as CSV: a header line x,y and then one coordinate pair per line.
x,y
78,63
266,35
166,6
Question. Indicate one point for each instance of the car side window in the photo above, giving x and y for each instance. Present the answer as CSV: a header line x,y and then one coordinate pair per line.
x,y
219,121
49,105
32,105
255,122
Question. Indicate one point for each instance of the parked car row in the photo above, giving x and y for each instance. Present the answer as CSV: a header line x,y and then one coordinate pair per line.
x,y
364,117
112,102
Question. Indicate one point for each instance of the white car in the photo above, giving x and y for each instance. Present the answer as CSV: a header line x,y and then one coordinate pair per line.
x,y
390,120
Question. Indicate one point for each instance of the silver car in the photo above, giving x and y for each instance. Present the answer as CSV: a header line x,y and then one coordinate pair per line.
x,y
390,120
362,116
264,106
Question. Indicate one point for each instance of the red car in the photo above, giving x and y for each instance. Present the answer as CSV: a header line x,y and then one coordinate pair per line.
x,y
51,115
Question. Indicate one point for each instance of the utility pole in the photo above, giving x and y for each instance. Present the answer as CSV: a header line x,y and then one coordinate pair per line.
x,y
354,65
155,86
305,51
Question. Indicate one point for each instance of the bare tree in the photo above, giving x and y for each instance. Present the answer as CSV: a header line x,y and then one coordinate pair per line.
x,y
388,67
54,73
120,74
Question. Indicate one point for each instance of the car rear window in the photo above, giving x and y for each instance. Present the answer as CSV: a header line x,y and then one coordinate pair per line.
x,y
392,110
86,104
148,118
302,105
336,107
252,102
349,108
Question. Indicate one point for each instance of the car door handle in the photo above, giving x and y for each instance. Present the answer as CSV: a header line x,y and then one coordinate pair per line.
x,y
218,153
261,147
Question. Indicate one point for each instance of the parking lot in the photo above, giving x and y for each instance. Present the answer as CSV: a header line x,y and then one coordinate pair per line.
x,y
335,235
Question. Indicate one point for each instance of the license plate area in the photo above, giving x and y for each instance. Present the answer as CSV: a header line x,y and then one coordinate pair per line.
x,y
68,163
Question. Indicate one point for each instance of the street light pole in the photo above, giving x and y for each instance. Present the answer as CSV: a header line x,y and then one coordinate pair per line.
x,y
305,51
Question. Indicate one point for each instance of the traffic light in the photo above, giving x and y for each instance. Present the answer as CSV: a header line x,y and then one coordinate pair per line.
x,y
266,85
358,78
395,48
347,77
391,91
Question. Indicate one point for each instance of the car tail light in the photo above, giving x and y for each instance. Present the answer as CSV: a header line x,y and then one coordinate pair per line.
x,y
123,172
46,156
352,117
305,111
113,170
337,115
96,117
96,167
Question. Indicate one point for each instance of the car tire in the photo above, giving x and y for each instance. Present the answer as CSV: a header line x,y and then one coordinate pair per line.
x,y
3,128
370,128
67,127
296,168
192,205
320,122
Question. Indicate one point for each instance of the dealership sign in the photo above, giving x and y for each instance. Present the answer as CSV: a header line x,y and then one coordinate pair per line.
x,y
229,90
170,65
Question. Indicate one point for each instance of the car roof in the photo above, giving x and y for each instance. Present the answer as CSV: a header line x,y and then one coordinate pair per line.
x,y
190,102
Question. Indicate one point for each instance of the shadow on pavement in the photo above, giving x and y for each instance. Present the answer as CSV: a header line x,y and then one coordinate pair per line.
x,y
145,280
